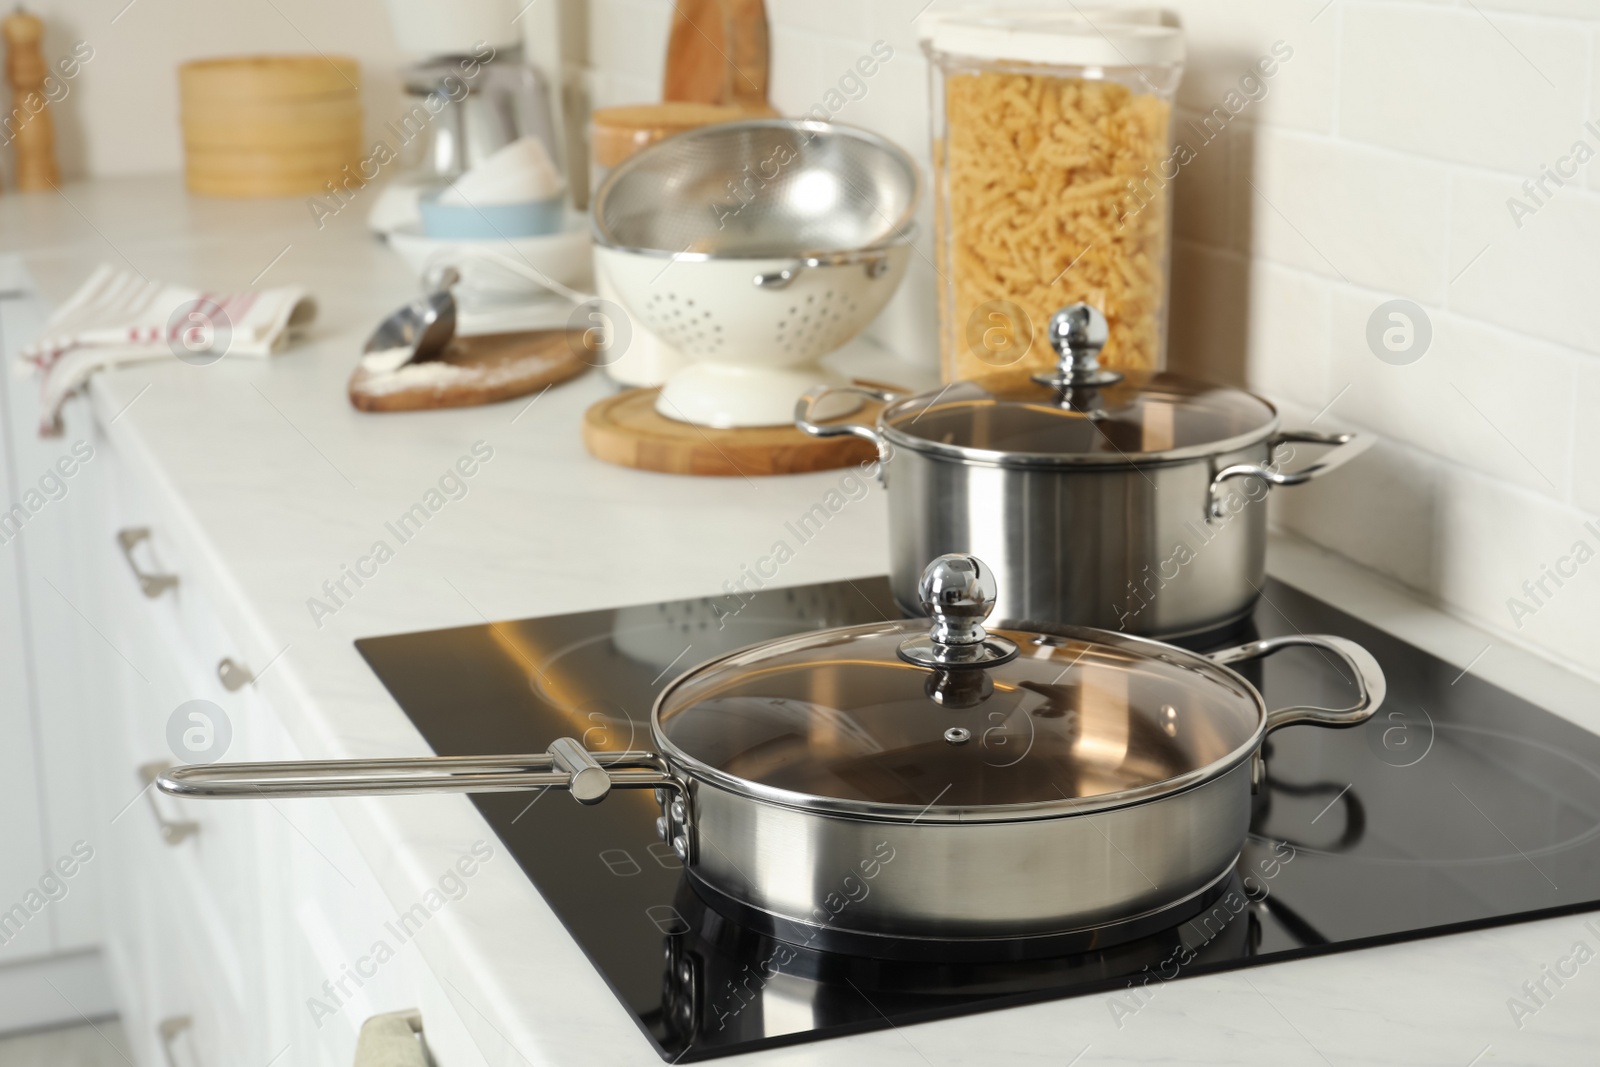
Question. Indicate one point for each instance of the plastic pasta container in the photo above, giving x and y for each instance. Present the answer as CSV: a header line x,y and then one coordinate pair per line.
x,y
1052,179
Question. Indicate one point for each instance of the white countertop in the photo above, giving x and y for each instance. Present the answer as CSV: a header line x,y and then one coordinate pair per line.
x,y
283,482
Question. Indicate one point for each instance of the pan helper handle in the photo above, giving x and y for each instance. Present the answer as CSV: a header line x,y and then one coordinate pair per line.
x,y
1370,684
1371,687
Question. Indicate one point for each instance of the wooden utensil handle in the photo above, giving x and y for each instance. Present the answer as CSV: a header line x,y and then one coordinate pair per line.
x,y
717,53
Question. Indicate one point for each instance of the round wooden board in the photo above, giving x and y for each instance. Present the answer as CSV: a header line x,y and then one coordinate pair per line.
x,y
627,430
487,368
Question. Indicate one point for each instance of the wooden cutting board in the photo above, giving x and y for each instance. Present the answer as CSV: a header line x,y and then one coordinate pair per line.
x,y
626,429
718,53
483,369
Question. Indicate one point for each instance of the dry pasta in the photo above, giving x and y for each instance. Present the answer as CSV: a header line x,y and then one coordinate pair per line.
x,y
1052,196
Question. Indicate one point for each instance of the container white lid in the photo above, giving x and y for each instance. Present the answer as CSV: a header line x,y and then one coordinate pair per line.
x,y
1086,37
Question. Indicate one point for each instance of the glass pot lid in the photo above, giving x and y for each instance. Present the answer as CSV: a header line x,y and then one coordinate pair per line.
x,y
951,722
1080,413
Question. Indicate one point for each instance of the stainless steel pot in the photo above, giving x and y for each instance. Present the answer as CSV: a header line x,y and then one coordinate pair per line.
x,y
893,783
1131,502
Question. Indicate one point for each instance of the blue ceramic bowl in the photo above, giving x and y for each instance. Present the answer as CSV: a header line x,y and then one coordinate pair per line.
x,y
531,218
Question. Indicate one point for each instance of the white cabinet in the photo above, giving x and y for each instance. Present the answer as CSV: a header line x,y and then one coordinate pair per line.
x,y
229,916
48,685
219,925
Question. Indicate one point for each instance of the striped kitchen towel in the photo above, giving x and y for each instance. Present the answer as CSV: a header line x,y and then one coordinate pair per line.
x,y
118,316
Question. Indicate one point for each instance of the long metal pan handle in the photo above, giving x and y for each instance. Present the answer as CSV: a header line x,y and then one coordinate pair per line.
x,y
1370,684
589,776
1346,446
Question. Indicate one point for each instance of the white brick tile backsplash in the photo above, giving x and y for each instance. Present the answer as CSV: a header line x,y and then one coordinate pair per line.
x,y
848,19
909,326
806,66
1489,399
1586,437
1575,9
1542,277
629,37
1391,480
1225,41
1202,208
1492,538
896,103
1207,319
894,21
1289,330
1456,83
1366,216
1593,110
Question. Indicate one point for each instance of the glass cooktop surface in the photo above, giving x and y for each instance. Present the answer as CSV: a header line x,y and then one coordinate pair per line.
x,y
1458,805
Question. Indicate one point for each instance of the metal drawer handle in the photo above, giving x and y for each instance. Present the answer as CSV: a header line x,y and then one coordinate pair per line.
x,y
168,1030
153,585
392,1040
233,675
173,831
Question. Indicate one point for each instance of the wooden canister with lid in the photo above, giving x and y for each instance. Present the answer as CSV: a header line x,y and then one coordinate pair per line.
x,y
615,133
270,125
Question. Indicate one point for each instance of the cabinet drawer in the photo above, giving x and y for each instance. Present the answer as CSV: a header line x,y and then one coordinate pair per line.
x,y
163,598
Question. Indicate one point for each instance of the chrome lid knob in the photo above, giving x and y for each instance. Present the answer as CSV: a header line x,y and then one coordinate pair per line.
x,y
958,592
1078,332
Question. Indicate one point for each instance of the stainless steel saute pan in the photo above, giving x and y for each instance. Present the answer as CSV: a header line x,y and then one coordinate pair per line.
x,y
896,781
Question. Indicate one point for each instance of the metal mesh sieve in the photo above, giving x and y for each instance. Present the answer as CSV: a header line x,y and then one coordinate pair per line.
x,y
767,188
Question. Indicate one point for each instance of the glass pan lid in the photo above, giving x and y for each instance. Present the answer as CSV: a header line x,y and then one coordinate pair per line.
x,y
1142,416
1080,413
839,716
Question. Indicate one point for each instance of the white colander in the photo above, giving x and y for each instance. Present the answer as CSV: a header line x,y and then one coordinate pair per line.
x,y
755,249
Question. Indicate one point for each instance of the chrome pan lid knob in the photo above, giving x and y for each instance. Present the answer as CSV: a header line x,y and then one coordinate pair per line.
x,y
1078,332
958,592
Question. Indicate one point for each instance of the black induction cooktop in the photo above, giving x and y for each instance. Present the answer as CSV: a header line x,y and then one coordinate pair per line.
x,y
1458,805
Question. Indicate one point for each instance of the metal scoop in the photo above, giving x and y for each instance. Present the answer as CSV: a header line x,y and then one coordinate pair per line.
x,y
425,326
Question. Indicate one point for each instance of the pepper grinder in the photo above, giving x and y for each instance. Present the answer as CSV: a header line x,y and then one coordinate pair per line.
x,y
35,138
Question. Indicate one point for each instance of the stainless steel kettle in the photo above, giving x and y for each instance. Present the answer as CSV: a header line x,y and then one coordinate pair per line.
x,y
486,106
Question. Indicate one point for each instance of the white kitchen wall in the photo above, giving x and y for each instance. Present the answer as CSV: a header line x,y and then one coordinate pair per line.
x,y
120,115
1378,166
120,112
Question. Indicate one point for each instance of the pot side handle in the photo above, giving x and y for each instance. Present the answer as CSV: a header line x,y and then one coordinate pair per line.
x,y
1370,684
589,776
1346,446
812,397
